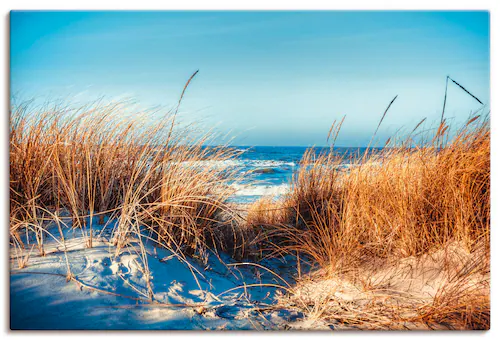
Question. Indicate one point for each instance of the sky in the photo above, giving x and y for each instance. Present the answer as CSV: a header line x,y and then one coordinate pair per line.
x,y
265,78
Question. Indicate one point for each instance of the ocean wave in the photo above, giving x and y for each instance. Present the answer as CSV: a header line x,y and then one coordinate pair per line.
x,y
270,163
252,163
260,190
242,150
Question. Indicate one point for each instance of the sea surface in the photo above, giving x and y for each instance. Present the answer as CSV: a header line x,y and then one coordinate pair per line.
x,y
273,167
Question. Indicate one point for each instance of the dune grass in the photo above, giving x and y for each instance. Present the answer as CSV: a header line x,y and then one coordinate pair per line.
x,y
376,229
103,162
401,239
406,202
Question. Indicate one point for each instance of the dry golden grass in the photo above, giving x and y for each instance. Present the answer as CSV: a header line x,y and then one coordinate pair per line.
x,y
396,204
401,239
74,167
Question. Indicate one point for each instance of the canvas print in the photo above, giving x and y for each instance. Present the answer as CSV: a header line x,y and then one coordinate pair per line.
x,y
249,170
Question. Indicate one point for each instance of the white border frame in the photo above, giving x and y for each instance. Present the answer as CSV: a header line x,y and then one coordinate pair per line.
x,y
491,5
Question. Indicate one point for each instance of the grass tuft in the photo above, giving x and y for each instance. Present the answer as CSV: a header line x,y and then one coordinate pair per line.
x,y
401,203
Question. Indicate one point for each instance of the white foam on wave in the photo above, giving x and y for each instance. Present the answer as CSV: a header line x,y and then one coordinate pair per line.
x,y
269,163
240,163
260,190
213,163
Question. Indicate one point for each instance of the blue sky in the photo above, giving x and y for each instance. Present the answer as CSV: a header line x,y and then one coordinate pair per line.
x,y
266,78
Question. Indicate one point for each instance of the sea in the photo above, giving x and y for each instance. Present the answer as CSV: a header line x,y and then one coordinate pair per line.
x,y
273,167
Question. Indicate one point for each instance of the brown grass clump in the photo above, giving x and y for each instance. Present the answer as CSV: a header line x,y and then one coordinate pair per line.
x,y
265,212
400,240
398,203
138,169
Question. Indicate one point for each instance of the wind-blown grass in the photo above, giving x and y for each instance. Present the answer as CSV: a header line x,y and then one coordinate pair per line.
x,y
406,201
106,162
400,240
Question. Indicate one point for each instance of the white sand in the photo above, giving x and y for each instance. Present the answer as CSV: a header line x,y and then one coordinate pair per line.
x,y
43,301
